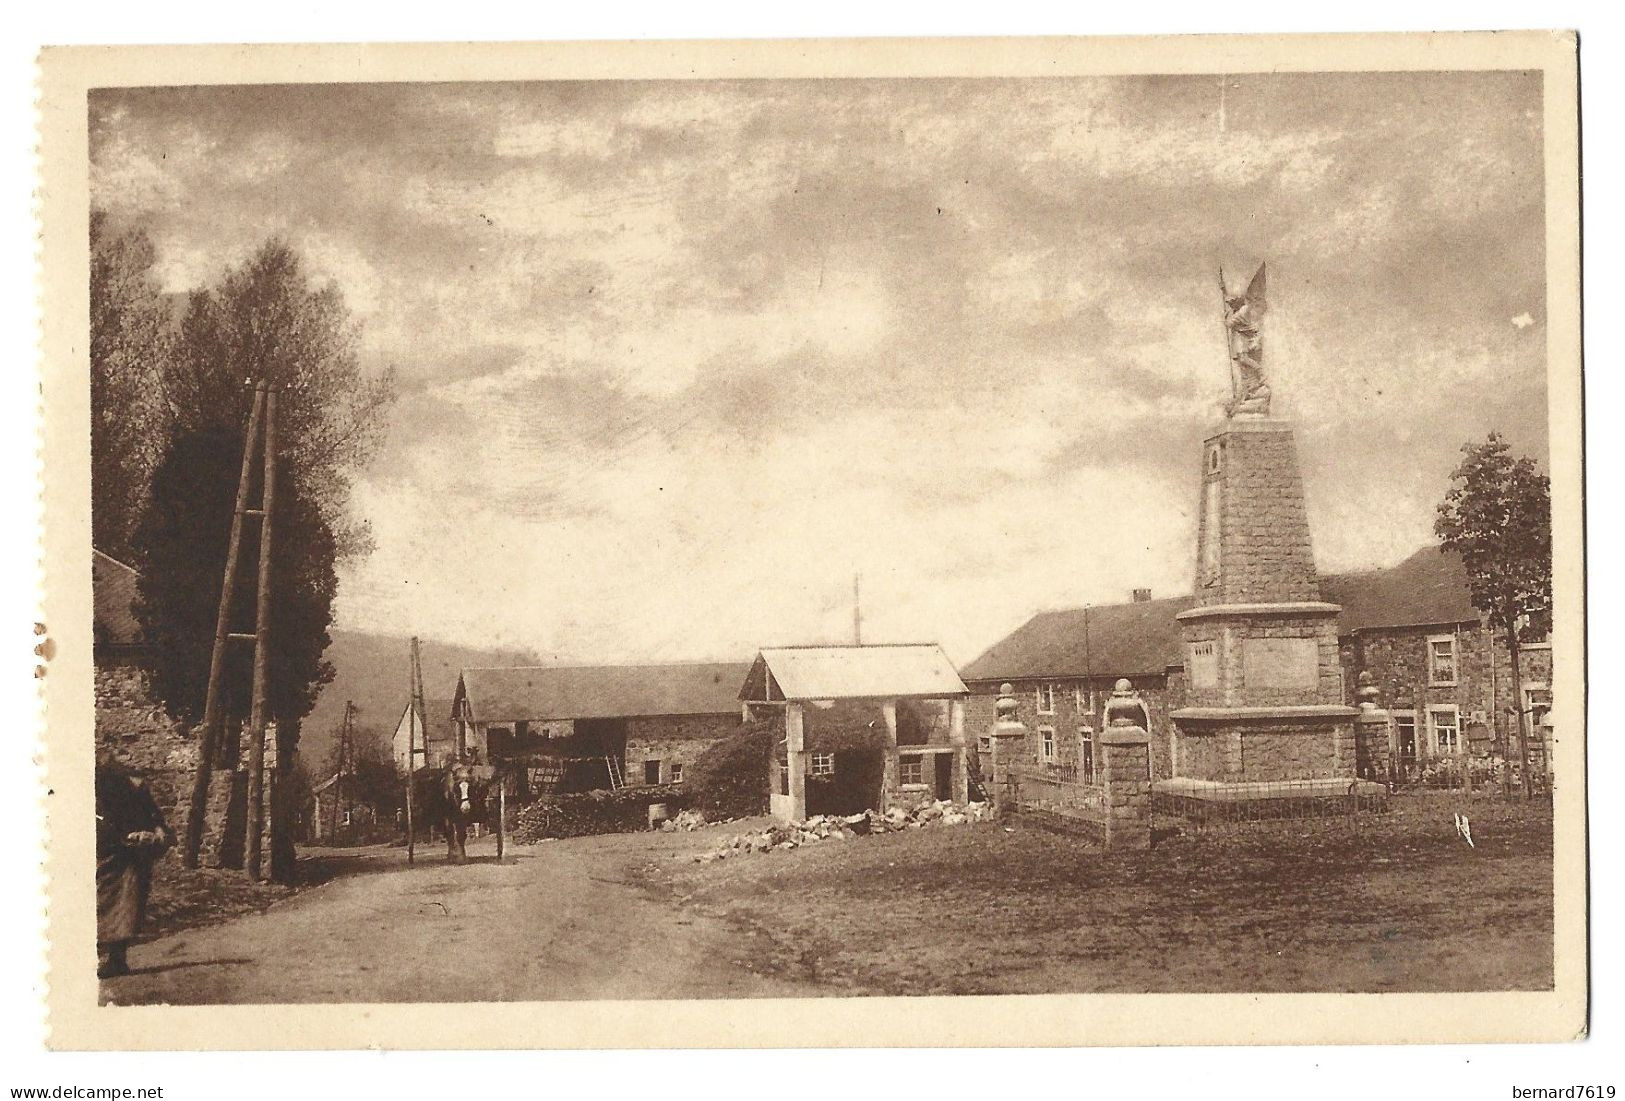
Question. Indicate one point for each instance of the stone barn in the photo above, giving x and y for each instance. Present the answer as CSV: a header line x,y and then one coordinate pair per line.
x,y
584,728
864,727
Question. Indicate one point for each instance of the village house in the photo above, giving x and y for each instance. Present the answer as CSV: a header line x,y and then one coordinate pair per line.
x,y
590,727
432,749
863,727
1445,681
337,816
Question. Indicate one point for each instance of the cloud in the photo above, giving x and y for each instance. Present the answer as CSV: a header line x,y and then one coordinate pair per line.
x,y
678,358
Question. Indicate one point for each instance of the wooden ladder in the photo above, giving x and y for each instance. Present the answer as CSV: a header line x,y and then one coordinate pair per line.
x,y
617,779
263,412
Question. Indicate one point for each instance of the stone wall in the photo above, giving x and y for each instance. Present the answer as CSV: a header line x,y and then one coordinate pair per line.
x,y
133,724
670,739
131,721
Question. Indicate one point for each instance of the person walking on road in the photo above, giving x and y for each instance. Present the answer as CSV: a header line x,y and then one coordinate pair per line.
x,y
131,835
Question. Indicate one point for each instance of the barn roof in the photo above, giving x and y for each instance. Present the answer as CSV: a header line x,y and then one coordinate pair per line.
x,y
113,593
541,692
853,672
1116,640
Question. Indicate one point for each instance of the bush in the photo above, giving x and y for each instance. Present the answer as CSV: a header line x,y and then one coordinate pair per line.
x,y
591,812
729,780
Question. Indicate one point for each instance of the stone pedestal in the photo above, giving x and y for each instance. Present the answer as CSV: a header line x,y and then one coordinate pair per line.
x,y
1262,670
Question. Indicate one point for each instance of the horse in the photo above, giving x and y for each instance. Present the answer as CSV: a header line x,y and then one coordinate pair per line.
x,y
461,794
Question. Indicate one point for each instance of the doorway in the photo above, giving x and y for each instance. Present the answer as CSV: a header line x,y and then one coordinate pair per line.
x,y
943,785
1405,742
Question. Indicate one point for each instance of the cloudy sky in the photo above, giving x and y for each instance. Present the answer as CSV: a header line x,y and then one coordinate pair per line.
x,y
679,359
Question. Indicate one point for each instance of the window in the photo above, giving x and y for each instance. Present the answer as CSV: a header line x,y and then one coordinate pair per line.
x,y
1046,699
1446,724
677,772
1086,753
823,764
781,754
1084,699
910,770
1441,659
1047,736
651,771
1537,700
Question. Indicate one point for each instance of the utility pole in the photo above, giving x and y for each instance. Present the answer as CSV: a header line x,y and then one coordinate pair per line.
x,y
338,772
857,611
419,714
262,634
209,734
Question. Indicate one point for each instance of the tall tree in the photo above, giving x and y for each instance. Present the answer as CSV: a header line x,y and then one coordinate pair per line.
x,y
131,340
184,536
267,321
1498,516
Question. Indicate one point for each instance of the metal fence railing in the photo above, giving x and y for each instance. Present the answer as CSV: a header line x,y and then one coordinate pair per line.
x,y
1328,797
1476,776
1057,790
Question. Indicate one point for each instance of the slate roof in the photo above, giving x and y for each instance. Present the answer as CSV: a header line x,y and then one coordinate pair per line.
x,y
601,691
113,593
1427,588
855,672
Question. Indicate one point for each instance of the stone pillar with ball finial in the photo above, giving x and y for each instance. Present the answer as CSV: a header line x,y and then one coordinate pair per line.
x,y
1008,737
1372,752
1125,749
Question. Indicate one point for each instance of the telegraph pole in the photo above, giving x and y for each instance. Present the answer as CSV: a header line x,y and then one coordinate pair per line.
x,y
209,735
338,774
857,611
262,634
418,714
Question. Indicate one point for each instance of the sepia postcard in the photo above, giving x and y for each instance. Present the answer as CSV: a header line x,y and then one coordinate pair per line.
x,y
976,542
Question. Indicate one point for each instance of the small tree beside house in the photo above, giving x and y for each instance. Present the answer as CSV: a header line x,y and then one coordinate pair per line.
x,y
1498,516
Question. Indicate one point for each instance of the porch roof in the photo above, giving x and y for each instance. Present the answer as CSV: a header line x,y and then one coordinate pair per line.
x,y
852,672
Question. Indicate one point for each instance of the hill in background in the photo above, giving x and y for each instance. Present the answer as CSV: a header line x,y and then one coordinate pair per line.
x,y
373,669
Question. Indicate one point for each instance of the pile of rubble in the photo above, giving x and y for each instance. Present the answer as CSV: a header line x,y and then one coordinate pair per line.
x,y
832,827
686,822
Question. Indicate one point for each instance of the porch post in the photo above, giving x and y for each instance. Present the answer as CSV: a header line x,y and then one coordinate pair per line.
x,y
796,758
888,779
956,735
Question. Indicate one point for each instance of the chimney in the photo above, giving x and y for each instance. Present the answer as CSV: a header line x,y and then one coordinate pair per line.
x,y
1142,596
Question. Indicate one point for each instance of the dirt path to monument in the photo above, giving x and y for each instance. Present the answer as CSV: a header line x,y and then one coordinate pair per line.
x,y
559,920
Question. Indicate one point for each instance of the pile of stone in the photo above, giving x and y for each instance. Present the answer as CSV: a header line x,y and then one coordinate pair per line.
x,y
832,827
686,822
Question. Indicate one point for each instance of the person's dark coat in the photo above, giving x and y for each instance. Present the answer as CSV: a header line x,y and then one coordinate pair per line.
x,y
130,836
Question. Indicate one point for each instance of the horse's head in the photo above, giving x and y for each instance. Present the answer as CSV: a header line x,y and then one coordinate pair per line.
x,y
460,789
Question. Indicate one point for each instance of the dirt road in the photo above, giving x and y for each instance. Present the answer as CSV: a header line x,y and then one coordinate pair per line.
x,y
559,920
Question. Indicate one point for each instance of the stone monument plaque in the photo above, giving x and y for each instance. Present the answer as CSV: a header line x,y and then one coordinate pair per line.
x,y
1280,662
